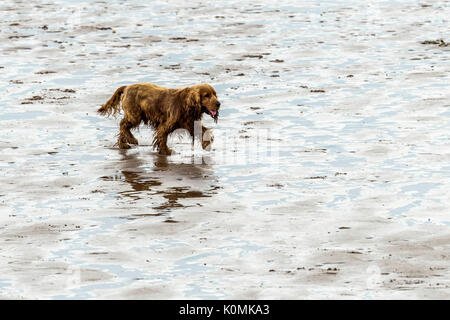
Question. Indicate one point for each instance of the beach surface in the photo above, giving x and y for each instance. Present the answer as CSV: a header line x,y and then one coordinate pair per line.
x,y
328,178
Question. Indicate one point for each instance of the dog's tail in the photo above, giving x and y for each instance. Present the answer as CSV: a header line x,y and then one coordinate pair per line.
x,y
113,104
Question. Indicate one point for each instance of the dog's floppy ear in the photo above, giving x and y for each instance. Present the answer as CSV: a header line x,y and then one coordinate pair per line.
x,y
193,98
192,103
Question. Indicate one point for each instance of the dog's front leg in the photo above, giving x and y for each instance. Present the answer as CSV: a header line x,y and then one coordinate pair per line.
x,y
205,135
207,138
161,141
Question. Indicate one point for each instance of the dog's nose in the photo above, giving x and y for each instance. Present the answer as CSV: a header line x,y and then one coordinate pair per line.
x,y
217,104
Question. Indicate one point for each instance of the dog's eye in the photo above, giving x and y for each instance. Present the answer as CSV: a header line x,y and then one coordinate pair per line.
x,y
207,95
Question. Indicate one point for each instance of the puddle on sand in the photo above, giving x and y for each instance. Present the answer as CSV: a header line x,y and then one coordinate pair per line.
x,y
331,150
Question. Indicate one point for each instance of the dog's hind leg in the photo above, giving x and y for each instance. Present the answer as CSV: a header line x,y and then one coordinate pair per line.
x,y
125,135
160,140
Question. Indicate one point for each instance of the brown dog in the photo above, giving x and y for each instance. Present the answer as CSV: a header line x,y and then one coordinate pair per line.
x,y
164,109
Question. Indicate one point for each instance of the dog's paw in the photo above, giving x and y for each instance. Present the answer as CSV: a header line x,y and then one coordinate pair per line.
x,y
132,140
165,151
124,145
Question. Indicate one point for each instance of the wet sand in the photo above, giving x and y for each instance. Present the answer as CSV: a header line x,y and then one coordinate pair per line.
x,y
328,177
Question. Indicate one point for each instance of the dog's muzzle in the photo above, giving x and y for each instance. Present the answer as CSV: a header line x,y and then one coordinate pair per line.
x,y
214,114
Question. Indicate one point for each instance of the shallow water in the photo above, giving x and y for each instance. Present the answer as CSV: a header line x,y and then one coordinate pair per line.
x,y
328,177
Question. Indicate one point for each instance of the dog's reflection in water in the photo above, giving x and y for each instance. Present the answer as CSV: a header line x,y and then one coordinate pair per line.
x,y
165,183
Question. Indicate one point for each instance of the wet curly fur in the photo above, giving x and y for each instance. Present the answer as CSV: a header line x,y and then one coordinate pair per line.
x,y
164,109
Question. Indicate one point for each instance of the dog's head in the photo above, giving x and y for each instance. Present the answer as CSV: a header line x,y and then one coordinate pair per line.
x,y
204,97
